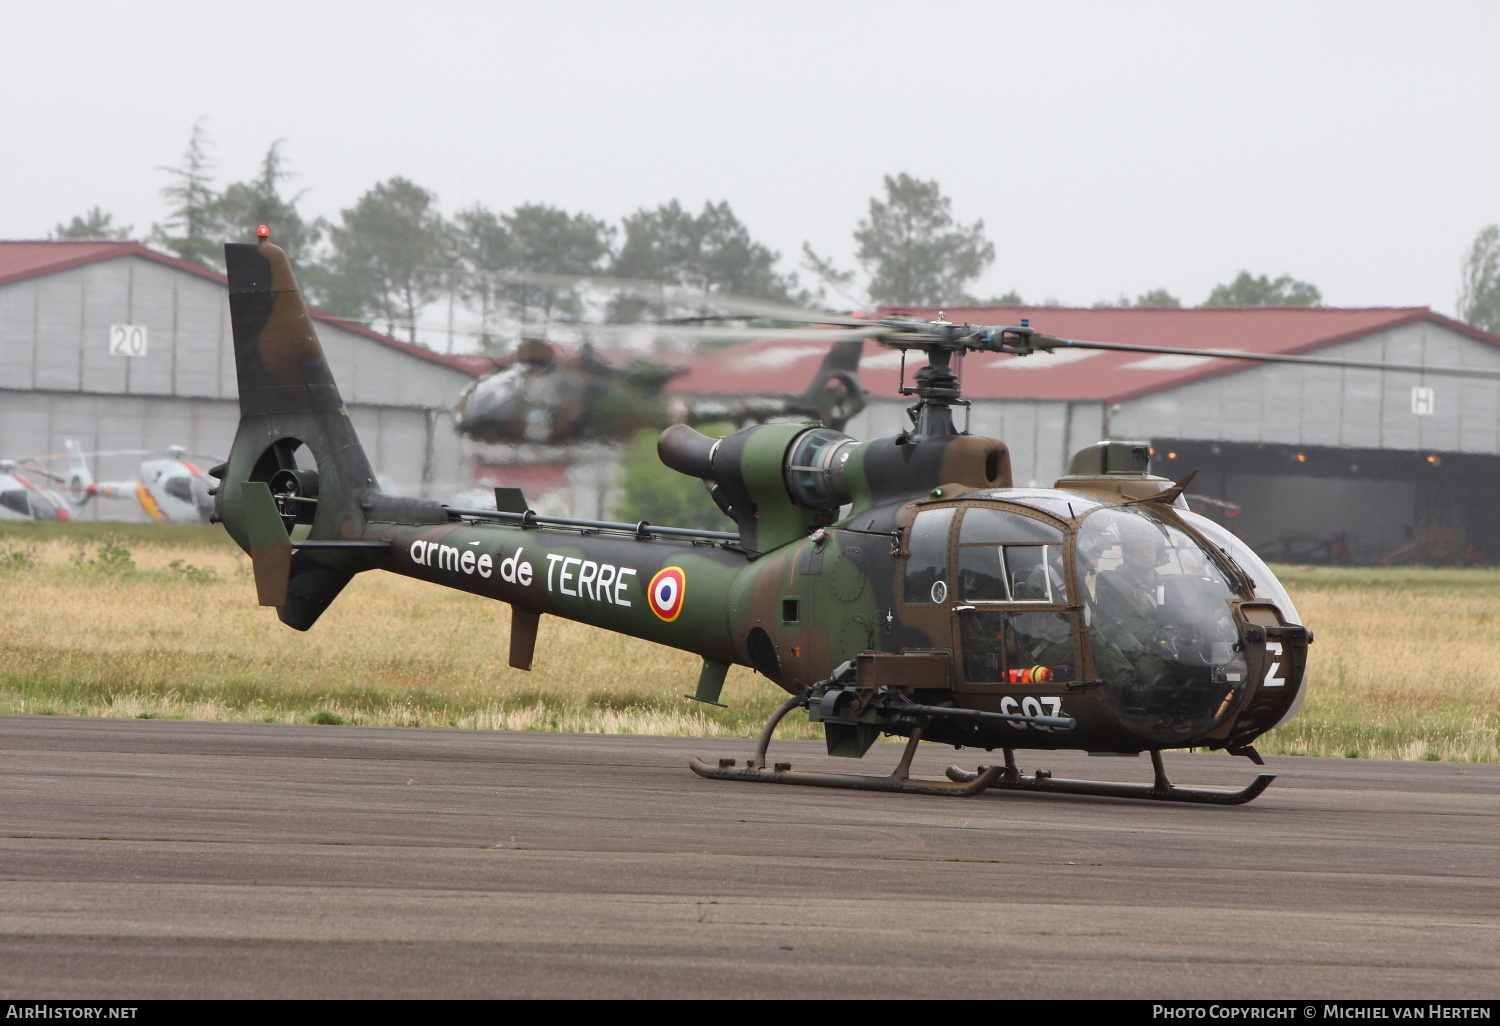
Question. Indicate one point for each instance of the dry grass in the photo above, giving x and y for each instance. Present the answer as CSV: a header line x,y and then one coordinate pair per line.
x,y
189,642
1403,667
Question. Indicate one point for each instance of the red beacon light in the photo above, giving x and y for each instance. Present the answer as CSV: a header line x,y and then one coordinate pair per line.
x,y
263,232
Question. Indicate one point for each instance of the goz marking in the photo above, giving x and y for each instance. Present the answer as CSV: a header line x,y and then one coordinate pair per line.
x,y
1030,707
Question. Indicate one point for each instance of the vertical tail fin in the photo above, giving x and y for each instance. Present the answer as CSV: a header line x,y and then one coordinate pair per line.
x,y
80,478
288,400
835,395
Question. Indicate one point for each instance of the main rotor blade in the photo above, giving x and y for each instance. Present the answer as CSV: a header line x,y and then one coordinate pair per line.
x,y
692,333
87,455
1050,342
712,334
39,472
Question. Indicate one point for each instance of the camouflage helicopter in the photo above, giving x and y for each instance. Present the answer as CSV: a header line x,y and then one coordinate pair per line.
x,y
896,586
543,396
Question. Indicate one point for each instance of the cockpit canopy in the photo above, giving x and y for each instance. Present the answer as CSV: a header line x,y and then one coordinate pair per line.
x,y
1056,587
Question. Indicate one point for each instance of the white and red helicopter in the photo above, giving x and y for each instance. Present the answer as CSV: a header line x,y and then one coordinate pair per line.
x,y
21,498
169,486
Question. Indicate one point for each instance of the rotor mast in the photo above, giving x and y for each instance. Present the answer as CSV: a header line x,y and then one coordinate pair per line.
x,y
937,386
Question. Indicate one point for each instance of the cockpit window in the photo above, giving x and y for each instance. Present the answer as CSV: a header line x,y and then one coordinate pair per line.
x,y
179,488
1062,504
1006,557
1003,647
1159,623
983,524
927,564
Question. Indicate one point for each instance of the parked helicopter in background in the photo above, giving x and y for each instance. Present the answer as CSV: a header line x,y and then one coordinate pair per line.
x,y
544,396
170,488
21,498
900,585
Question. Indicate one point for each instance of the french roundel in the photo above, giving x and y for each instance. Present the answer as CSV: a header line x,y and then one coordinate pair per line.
x,y
666,591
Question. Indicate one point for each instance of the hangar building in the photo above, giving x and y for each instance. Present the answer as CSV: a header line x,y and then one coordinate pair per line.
x,y
1314,464
122,347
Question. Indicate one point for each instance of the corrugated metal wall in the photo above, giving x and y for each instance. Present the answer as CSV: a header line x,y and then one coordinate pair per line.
x,y
1284,404
58,378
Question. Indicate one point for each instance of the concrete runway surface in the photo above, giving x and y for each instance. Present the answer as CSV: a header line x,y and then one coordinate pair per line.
x,y
150,859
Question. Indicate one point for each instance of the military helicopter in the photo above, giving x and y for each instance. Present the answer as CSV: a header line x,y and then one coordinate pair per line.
x,y
896,586
542,396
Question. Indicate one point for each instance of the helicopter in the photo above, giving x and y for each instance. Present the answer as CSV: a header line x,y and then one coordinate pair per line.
x,y
23,499
898,586
543,396
170,488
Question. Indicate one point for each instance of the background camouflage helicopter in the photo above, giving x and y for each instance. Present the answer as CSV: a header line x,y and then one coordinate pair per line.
x,y
898,585
544,396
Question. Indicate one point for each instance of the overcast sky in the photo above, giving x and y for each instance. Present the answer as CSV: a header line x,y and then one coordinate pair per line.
x,y
1109,147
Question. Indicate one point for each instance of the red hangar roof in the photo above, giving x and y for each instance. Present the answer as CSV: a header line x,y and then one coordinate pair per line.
x,y
779,366
22,260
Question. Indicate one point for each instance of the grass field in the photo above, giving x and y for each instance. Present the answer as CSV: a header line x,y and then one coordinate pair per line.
x,y
109,620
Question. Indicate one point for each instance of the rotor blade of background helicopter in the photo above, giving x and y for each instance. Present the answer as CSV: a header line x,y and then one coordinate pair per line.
x,y
39,472
675,295
1049,342
711,334
88,455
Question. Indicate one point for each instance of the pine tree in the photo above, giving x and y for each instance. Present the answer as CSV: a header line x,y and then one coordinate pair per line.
x,y
244,206
1247,290
93,224
1479,302
913,250
192,229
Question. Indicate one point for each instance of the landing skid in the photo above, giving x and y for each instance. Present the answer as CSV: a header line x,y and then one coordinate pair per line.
x,y
962,783
1160,790
757,771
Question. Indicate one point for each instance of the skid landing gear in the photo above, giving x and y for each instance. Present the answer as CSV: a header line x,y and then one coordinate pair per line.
x,y
757,771
961,783
1160,790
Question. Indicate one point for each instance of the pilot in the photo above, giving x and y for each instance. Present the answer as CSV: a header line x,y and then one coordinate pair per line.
x,y
1110,664
1127,596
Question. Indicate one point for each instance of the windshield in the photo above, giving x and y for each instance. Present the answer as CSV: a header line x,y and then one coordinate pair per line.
x,y
1266,585
1158,622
